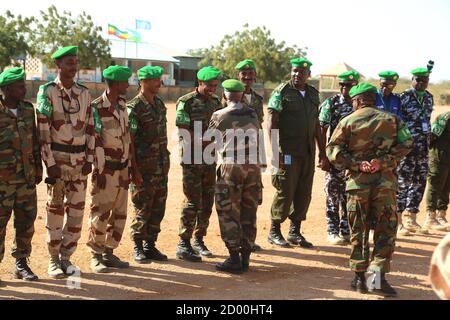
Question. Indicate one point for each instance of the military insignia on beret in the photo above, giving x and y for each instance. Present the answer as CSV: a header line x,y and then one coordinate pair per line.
x,y
246,66
351,77
395,77
305,64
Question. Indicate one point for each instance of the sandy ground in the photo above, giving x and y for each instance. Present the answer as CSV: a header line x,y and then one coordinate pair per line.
x,y
319,273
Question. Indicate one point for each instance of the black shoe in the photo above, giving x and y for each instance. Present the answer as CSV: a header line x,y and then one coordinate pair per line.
x,y
23,271
152,253
359,283
185,252
255,247
296,238
275,237
245,260
200,247
231,265
139,254
381,287
112,261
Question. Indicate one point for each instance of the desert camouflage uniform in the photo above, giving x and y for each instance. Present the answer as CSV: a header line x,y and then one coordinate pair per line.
x,y
65,120
20,164
238,188
112,145
412,171
198,179
330,113
364,135
148,125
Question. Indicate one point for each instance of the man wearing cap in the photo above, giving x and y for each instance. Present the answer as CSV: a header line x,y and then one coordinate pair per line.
x,y
386,99
416,108
114,166
20,169
66,135
368,144
438,178
293,110
331,112
238,188
148,128
194,111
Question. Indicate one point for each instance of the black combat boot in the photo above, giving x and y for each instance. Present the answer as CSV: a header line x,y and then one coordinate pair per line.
x,y
359,282
23,271
275,236
296,238
256,247
139,254
185,251
151,252
201,248
232,264
112,261
379,285
245,259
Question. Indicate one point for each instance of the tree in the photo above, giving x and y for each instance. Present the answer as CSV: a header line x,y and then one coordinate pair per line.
x,y
57,30
15,36
272,59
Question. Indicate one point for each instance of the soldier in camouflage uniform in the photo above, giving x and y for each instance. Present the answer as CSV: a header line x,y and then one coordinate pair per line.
x,y
416,109
438,179
114,163
66,134
148,127
330,113
368,144
194,110
20,169
238,188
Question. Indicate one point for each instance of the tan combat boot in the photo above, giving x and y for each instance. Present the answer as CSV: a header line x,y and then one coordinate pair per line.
x,y
401,231
407,222
440,217
54,268
431,223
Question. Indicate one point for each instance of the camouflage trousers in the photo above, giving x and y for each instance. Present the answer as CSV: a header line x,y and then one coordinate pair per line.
x,y
238,194
198,187
438,186
362,206
66,199
20,198
108,213
412,179
149,203
336,197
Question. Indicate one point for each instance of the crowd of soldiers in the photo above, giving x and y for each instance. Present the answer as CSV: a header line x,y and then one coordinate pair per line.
x,y
378,150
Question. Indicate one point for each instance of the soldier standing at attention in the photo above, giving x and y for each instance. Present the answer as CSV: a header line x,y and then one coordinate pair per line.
x,y
293,110
20,169
387,100
148,127
331,112
238,188
114,164
66,135
416,108
194,110
368,144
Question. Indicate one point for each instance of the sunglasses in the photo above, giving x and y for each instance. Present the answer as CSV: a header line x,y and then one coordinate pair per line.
x,y
347,84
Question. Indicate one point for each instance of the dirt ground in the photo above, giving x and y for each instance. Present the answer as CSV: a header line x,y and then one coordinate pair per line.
x,y
289,274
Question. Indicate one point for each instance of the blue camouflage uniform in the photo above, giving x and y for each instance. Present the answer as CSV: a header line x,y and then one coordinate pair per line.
x,y
391,104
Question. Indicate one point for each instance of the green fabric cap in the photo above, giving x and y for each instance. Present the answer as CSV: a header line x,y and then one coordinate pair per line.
x,y
150,72
66,51
301,62
117,73
11,75
349,76
246,64
233,85
361,88
208,73
421,72
389,75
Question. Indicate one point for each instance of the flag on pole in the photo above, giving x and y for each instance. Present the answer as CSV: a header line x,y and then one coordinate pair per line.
x,y
134,36
143,24
118,33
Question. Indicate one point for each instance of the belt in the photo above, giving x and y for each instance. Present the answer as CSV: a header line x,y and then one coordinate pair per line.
x,y
68,148
112,165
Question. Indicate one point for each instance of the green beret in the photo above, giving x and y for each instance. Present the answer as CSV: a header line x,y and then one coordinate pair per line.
x,y
421,72
117,73
150,72
301,62
349,76
11,75
66,51
389,75
233,85
361,88
208,73
246,64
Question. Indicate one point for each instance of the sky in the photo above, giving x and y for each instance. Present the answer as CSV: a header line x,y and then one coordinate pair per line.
x,y
369,35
